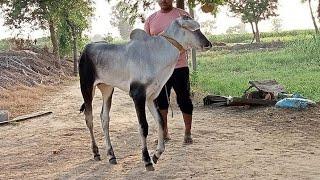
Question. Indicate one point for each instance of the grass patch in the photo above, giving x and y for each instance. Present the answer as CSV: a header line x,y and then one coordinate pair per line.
x,y
297,67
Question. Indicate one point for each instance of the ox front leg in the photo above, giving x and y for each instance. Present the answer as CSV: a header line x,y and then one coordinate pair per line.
x,y
156,115
138,94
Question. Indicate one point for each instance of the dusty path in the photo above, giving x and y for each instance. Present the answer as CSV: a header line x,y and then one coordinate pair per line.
x,y
230,143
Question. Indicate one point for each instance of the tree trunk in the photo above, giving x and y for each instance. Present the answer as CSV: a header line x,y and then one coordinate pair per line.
x,y
313,18
253,32
75,51
180,4
74,45
54,42
257,33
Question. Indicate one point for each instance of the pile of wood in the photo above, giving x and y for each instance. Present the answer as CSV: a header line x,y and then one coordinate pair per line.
x,y
31,67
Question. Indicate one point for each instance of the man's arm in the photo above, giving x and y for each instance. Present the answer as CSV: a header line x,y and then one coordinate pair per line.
x,y
147,26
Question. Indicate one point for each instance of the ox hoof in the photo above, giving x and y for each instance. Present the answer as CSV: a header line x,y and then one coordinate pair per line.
x,y
97,157
155,159
113,161
149,167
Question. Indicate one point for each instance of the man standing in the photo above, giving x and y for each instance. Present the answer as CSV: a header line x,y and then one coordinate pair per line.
x,y
155,24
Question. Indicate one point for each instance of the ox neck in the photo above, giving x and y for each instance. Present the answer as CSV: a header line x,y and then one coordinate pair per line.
x,y
174,42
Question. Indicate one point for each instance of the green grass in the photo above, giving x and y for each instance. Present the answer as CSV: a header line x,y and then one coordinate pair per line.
x,y
297,67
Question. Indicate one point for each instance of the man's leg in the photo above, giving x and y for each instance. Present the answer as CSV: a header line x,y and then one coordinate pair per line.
x,y
181,86
187,123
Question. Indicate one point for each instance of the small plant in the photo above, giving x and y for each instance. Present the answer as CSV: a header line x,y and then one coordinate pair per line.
x,y
194,78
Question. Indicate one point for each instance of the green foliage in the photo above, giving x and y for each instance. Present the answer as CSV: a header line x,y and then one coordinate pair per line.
x,y
76,13
65,45
120,20
40,13
4,44
296,67
65,41
136,8
72,23
43,42
108,38
252,10
35,12
193,3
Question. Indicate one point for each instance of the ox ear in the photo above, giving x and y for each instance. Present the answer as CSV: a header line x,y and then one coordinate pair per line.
x,y
188,23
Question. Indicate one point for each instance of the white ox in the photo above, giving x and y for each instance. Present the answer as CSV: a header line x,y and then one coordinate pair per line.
x,y
141,68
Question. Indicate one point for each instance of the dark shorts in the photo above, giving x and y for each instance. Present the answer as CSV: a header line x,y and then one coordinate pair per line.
x,y
180,82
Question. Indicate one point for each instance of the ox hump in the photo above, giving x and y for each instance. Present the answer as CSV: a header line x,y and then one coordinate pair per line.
x,y
139,34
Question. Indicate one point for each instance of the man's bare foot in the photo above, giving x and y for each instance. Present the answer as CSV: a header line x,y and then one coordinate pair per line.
x,y
187,139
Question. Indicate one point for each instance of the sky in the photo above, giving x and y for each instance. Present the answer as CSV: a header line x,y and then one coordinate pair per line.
x,y
292,13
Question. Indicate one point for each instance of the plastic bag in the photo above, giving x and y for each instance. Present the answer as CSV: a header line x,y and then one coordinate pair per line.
x,y
295,103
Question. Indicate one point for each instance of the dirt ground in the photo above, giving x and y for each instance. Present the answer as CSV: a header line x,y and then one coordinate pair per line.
x,y
229,143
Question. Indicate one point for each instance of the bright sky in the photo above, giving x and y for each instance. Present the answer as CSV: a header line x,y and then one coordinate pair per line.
x,y
293,14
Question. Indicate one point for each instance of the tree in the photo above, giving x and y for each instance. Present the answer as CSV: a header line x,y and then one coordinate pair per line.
x,y
40,13
136,8
312,16
276,24
74,22
62,16
119,20
253,11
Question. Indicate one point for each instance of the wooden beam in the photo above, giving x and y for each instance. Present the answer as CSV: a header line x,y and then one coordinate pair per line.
x,y
25,117
193,50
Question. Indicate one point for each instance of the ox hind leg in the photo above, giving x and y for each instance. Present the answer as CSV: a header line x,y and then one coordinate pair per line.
x,y
138,94
89,122
107,92
156,115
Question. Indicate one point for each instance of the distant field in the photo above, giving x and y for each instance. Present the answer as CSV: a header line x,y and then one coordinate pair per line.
x,y
286,36
297,67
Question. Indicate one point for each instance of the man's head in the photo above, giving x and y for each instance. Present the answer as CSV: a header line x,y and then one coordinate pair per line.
x,y
165,5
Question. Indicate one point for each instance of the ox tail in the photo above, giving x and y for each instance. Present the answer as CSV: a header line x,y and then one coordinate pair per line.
x,y
87,73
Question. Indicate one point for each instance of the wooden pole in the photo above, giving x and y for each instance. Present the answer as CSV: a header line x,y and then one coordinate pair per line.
x,y
193,50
